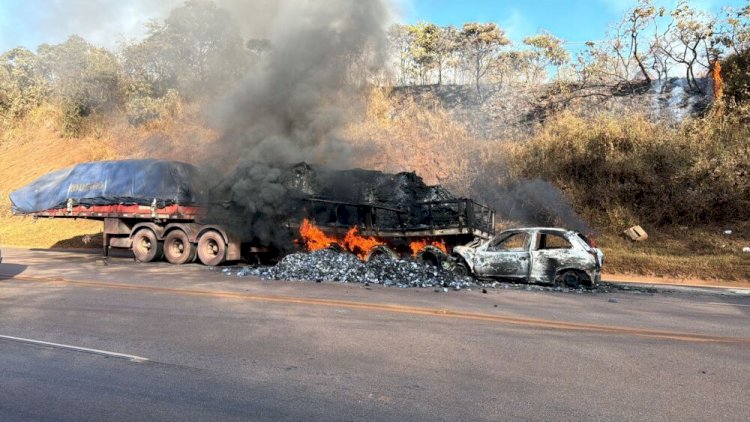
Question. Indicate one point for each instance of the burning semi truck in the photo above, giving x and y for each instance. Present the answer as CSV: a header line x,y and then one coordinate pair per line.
x,y
173,210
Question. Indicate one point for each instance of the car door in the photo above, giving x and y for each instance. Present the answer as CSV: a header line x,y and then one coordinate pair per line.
x,y
506,256
547,255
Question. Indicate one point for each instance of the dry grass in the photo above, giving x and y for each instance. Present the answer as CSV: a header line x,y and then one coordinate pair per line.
x,y
623,170
702,253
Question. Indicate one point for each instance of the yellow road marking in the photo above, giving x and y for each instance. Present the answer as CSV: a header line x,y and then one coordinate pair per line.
x,y
411,310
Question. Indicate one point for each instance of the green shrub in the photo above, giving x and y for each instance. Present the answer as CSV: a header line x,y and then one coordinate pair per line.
x,y
142,110
735,71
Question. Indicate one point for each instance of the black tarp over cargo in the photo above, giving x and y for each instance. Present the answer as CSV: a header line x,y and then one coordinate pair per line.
x,y
111,182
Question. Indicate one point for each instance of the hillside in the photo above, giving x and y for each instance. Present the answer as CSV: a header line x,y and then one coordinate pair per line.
x,y
395,132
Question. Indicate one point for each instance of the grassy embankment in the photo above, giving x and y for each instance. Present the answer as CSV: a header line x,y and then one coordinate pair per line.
x,y
684,186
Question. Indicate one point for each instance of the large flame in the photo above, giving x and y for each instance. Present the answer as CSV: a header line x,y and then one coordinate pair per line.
x,y
315,239
360,245
417,245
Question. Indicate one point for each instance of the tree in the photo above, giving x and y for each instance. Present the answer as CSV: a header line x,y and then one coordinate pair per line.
x,y
637,21
515,67
547,50
199,45
482,43
689,41
22,83
735,71
446,45
400,41
734,32
85,79
150,71
423,49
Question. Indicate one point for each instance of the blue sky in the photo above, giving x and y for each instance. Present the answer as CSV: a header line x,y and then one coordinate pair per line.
x,y
105,22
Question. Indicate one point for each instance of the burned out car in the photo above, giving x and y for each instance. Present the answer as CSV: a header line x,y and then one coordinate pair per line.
x,y
534,255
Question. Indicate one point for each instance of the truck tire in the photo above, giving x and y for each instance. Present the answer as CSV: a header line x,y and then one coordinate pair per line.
x,y
211,248
178,249
431,256
381,252
146,247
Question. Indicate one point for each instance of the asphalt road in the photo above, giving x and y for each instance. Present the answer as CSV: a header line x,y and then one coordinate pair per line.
x,y
187,343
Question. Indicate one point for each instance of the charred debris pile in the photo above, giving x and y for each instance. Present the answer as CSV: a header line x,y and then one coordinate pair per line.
x,y
342,267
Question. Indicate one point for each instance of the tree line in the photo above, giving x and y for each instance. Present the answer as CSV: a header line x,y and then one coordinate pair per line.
x,y
649,43
198,52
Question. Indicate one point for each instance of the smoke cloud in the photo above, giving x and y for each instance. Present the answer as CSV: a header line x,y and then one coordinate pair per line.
x,y
534,202
289,109
291,106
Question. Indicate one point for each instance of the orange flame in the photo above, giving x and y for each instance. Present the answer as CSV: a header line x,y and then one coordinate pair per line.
x,y
418,245
359,245
315,239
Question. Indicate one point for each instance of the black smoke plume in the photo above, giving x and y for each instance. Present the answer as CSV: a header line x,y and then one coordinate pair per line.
x,y
291,106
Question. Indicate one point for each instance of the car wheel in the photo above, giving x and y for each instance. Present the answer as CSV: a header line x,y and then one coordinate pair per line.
x,y
569,278
146,247
461,269
178,249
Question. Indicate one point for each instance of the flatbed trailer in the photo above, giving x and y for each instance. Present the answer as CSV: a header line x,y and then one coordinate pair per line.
x,y
161,208
179,233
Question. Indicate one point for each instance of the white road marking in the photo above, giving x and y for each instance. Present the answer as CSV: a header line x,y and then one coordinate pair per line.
x,y
76,348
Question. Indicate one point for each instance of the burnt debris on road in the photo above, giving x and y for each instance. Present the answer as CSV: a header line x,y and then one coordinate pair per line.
x,y
330,265
327,265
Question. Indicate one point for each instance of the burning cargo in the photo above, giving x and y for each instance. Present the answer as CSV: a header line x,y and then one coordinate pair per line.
x,y
166,209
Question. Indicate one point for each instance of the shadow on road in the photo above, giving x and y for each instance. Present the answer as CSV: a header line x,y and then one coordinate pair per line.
x,y
87,251
83,241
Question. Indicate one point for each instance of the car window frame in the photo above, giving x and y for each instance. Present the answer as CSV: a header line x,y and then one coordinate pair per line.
x,y
490,246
